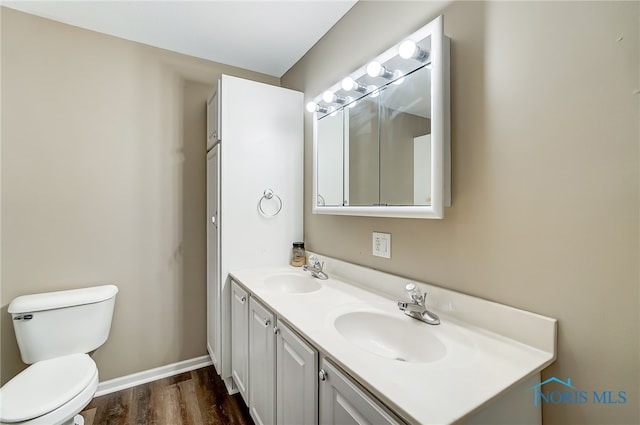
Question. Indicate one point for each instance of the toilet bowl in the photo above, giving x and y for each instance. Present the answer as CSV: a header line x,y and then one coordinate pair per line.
x,y
62,378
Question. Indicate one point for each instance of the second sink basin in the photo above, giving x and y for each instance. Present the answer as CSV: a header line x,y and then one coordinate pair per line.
x,y
396,338
291,283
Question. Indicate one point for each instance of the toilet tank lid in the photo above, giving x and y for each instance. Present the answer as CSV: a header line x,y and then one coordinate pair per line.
x,y
61,299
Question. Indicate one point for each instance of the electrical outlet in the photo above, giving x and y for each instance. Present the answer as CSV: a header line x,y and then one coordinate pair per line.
x,y
382,244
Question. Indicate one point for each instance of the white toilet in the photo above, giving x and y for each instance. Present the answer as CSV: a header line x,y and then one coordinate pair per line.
x,y
55,330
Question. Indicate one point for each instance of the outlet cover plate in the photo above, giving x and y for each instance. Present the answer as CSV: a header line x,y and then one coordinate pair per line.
x,y
382,244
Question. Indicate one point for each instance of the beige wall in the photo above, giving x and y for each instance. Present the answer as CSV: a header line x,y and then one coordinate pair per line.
x,y
545,169
103,181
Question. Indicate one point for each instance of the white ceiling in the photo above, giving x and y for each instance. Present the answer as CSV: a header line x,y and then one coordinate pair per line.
x,y
264,36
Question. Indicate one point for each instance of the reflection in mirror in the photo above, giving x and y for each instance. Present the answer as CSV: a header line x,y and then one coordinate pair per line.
x,y
361,141
330,160
405,160
387,147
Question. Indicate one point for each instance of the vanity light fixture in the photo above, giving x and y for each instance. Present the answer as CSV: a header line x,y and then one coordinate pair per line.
x,y
392,66
410,50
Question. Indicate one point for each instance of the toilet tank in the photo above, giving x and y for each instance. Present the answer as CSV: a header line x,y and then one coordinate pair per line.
x,y
55,324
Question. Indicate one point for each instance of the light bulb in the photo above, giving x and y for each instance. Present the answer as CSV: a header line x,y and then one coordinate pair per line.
x,y
374,68
407,49
312,106
348,83
328,96
410,50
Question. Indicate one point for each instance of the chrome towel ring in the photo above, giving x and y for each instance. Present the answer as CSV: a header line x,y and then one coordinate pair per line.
x,y
269,195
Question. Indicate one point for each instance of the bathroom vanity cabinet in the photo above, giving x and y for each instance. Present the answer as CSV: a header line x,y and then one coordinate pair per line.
x,y
379,366
285,384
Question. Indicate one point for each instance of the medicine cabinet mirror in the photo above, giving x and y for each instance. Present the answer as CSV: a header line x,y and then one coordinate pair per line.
x,y
381,135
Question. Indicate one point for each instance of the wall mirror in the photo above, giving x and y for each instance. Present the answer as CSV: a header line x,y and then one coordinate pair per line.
x,y
381,136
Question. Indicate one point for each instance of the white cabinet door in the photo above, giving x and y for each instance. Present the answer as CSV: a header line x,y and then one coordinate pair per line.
x,y
240,339
297,382
213,257
213,117
343,402
262,364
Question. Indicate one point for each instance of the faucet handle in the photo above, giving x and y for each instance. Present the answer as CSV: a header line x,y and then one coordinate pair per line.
x,y
414,293
315,262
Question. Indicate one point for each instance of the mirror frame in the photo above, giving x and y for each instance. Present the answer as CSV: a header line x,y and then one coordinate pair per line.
x,y
440,135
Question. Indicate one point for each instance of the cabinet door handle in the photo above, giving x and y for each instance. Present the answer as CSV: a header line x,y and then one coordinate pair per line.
x,y
322,375
267,322
243,299
275,330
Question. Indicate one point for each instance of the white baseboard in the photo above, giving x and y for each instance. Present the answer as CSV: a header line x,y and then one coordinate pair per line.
x,y
145,376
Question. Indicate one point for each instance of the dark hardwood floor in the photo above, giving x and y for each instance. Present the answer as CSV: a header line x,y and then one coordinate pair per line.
x,y
198,397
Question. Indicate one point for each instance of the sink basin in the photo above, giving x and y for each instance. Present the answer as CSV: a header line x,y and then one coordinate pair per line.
x,y
292,283
396,338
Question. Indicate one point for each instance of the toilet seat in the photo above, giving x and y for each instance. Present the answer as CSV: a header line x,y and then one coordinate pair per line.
x,y
41,391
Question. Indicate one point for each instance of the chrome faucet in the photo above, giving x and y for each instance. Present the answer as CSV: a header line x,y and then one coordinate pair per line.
x,y
416,308
315,268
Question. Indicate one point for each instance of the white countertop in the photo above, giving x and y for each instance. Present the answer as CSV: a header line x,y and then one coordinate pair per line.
x,y
479,365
